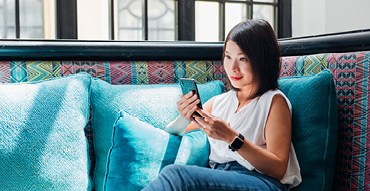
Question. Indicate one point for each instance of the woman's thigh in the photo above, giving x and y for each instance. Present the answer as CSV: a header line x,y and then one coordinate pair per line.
x,y
182,177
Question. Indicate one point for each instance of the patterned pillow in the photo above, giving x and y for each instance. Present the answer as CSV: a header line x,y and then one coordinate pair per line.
x,y
42,140
315,127
140,151
153,104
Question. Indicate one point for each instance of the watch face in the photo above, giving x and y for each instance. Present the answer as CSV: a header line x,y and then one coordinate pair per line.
x,y
237,143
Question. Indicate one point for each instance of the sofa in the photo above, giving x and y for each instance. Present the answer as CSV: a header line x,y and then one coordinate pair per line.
x,y
84,118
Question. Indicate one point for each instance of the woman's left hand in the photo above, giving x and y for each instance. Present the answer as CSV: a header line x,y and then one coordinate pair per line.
x,y
214,127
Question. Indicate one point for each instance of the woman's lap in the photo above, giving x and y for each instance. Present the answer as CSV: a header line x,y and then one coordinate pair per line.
x,y
227,177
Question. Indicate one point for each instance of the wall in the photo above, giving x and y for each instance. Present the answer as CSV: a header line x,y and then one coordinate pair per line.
x,y
313,17
93,20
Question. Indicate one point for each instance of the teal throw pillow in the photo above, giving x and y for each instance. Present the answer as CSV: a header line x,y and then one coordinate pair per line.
x,y
140,151
152,104
315,127
42,140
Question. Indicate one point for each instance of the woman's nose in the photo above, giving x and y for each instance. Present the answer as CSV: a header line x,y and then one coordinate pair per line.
x,y
234,65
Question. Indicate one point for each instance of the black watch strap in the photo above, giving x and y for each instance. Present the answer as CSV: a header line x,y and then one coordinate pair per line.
x,y
237,143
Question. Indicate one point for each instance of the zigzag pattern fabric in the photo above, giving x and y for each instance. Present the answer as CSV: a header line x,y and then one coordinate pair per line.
x,y
114,72
351,75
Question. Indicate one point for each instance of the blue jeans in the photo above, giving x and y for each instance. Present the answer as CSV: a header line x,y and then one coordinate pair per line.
x,y
226,176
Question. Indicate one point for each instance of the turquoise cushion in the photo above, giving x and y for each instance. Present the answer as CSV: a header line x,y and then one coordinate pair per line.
x,y
140,152
42,140
153,104
194,149
315,127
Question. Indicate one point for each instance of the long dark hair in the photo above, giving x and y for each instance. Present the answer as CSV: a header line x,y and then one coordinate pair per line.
x,y
257,40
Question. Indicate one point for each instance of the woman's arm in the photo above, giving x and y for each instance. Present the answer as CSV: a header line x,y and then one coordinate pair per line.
x,y
186,106
274,159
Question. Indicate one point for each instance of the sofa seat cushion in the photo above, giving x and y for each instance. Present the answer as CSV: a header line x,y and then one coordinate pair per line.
x,y
140,151
42,140
314,127
152,104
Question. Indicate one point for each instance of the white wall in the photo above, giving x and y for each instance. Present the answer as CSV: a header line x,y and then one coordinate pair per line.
x,y
93,20
313,17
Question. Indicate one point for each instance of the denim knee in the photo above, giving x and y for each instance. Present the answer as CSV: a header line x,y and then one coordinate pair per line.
x,y
172,172
168,179
173,168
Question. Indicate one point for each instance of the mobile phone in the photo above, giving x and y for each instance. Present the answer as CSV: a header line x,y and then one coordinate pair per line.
x,y
188,85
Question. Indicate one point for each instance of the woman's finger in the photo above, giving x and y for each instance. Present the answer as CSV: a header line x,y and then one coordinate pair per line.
x,y
191,111
188,95
187,105
204,113
190,107
201,126
196,123
201,122
183,98
185,101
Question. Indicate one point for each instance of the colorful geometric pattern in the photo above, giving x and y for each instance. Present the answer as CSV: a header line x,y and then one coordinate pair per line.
x,y
351,75
67,68
18,71
367,153
160,72
345,92
219,73
140,73
179,69
314,64
200,71
5,72
288,66
360,108
37,71
120,73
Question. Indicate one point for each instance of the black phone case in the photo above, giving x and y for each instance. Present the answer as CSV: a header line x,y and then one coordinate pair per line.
x,y
188,85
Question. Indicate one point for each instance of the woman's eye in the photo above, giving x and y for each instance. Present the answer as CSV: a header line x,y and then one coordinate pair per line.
x,y
243,59
227,56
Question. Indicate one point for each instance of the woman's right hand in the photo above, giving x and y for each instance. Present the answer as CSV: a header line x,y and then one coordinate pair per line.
x,y
187,105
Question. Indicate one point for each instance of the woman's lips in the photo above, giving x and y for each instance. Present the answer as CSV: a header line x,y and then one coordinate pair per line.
x,y
235,78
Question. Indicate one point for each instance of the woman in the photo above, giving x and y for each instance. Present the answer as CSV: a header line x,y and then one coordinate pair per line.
x,y
249,127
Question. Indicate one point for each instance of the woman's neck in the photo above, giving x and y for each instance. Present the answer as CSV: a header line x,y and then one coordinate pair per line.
x,y
246,92
244,97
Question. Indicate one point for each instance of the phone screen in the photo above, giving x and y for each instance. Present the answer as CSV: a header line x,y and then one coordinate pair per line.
x,y
188,85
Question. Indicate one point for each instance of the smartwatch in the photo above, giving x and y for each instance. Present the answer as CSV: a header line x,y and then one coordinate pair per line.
x,y
237,143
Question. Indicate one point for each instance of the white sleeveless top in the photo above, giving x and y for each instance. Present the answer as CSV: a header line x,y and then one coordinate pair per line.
x,y
250,121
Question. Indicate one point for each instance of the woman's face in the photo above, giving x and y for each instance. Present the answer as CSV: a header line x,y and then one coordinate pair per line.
x,y
237,66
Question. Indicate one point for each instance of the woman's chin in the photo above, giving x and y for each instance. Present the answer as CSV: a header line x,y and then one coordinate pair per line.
x,y
237,86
